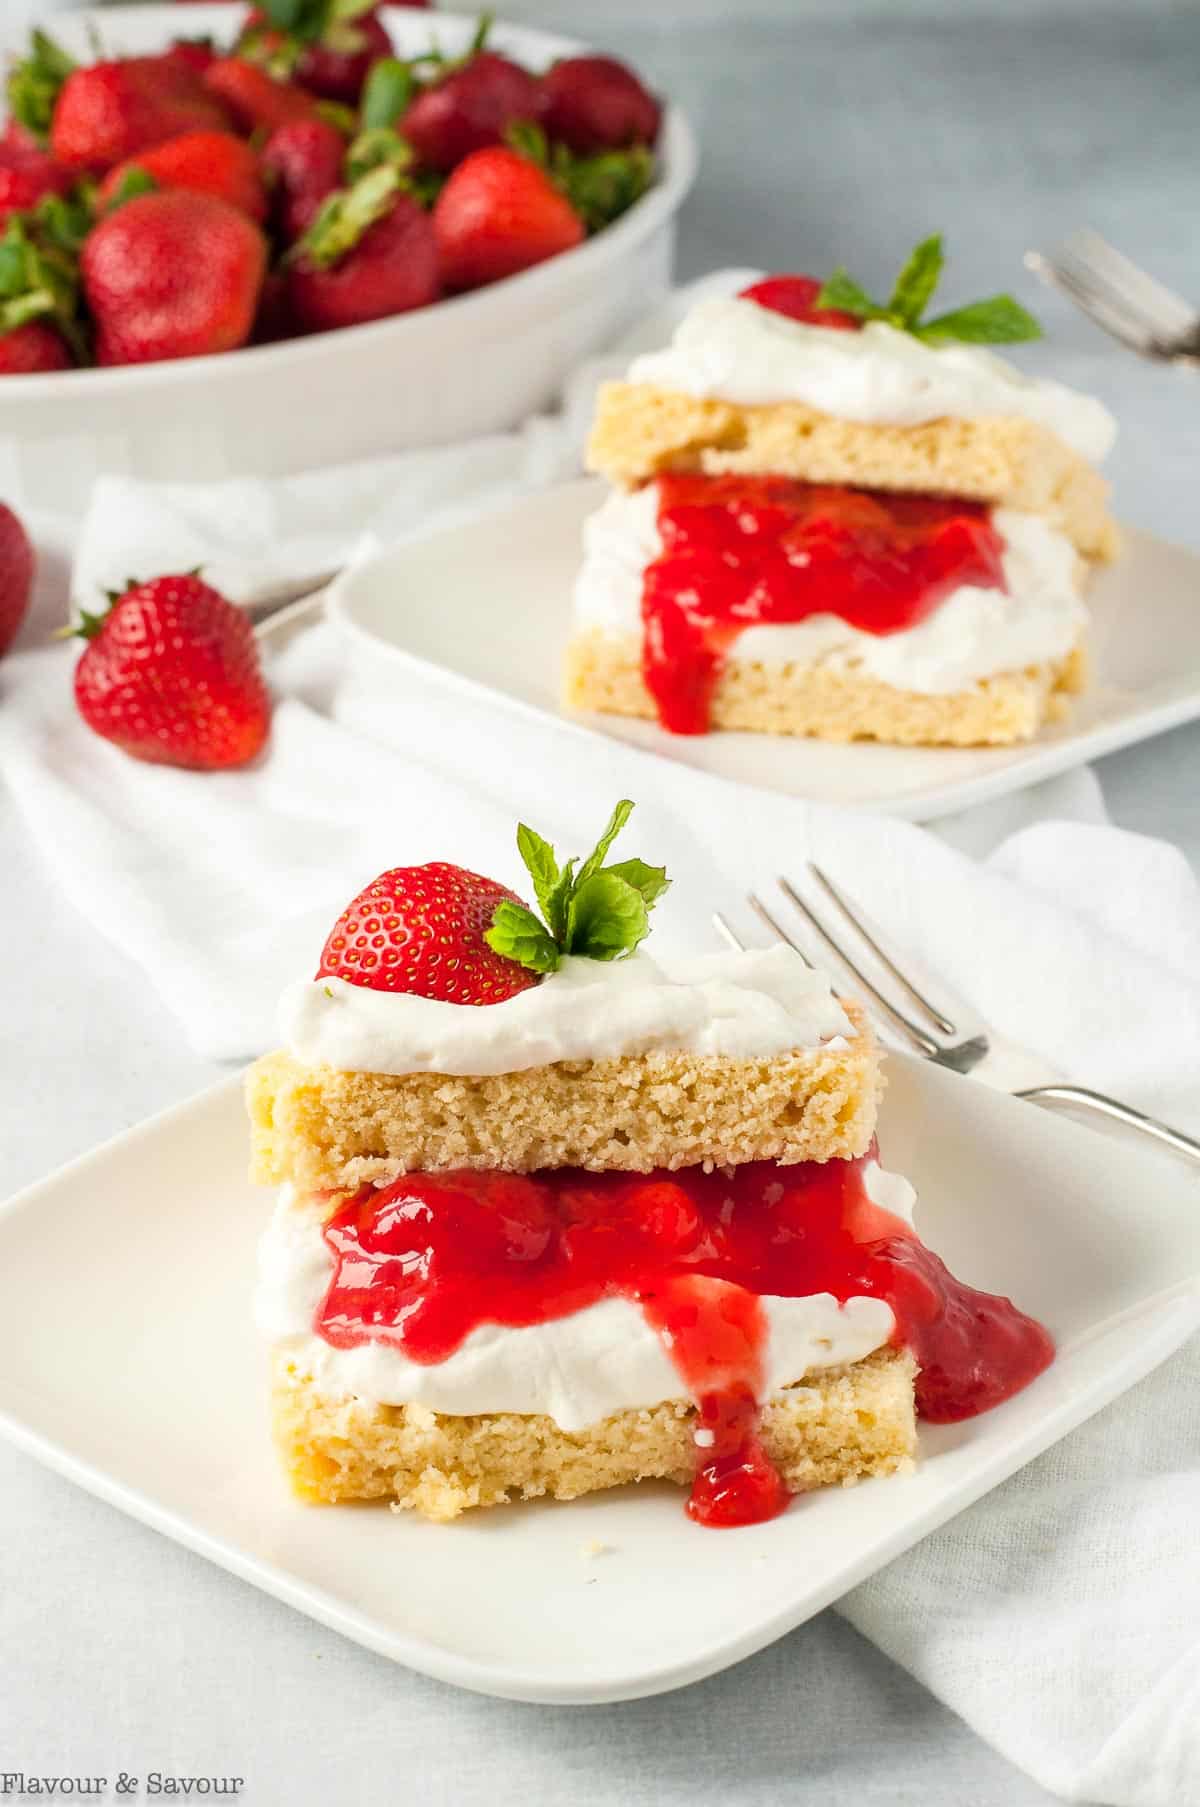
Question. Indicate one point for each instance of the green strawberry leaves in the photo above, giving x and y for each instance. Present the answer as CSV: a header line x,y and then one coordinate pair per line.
x,y
599,912
999,320
600,188
33,84
39,269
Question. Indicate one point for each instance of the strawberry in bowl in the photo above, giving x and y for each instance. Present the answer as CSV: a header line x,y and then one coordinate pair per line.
x,y
239,115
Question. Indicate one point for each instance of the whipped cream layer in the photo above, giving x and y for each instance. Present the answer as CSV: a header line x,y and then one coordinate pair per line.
x,y
736,351
749,1006
975,633
576,1369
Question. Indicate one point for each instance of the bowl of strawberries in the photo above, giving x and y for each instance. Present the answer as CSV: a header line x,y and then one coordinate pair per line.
x,y
265,238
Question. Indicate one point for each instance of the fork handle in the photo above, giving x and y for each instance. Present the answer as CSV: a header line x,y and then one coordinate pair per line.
x,y
1120,1113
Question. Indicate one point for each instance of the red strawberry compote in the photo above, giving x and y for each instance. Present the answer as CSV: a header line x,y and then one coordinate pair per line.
x,y
741,552
424,1263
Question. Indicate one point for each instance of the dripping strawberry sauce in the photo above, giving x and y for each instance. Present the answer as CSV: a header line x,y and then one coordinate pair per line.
x,y
423,1262
741,552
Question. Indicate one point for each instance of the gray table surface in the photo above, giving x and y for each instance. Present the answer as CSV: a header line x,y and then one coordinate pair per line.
x,y
828,135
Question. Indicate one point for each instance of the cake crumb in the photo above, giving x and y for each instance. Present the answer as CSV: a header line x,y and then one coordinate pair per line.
x,y
594,1548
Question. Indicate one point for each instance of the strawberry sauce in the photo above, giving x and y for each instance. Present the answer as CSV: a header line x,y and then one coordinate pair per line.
x,y
423,1262
741,552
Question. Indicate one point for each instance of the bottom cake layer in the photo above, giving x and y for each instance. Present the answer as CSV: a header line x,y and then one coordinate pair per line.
x,y
604,672
833,1428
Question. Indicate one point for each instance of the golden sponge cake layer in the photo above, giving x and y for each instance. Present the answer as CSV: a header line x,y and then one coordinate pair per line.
x,y
325,1129
1009,462
833,1428
604,673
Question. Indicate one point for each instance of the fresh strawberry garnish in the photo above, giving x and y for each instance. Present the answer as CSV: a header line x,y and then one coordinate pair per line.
x,y
420,929
595,103
172,275
499,213
369,253
170,674
109,112
16,572
303,162
25,176
256,101
796,297
27,350
469,108
214,163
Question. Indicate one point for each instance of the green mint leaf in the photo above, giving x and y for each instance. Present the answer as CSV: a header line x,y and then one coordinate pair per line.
x,y
841,291
997,321
595,859
917,281
649,881
558,903
518,935
608,917
541,863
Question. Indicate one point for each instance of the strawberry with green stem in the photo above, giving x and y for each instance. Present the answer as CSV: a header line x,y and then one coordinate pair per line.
x,y
304,162
172,274
438,931
40,287
466,104
170,674
327,46
215,163
370,253
595,103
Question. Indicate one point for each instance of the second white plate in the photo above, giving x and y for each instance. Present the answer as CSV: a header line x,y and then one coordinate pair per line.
x,y
438,602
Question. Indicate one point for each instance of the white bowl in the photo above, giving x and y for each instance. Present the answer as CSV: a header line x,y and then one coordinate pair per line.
x,y
475,364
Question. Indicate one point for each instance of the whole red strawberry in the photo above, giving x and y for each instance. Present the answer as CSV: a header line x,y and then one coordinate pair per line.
x,y
16,576
172,275
303,162
333,61
370,253
213,163
499,213
255,99
420,929
109,112
595,103
25,176
471,107
34,347
796,297
170,674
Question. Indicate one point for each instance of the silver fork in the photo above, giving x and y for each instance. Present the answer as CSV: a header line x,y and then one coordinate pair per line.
x,y
1124,300
961,1042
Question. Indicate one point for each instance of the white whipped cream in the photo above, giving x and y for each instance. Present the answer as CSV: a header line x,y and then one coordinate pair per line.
x,y
577,1369
750,1005
973,634
737,351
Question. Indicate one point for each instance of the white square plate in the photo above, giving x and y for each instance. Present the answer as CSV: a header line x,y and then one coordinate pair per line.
x,y
128,1362
489,605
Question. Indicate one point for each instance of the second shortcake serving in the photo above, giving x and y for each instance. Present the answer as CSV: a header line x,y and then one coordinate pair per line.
x,y
849,524
554,1215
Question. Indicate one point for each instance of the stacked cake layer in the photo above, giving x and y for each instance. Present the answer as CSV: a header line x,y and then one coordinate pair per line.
x,y
969,631
735,1063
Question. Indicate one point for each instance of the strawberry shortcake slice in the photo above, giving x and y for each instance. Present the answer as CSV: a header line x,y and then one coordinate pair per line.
x,y
555,1216
841,518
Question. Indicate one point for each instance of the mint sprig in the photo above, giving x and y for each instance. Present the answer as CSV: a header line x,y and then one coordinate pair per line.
x,y
998,320
600,912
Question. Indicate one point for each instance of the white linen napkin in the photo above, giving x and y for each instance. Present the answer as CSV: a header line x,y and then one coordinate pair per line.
x,y
1077,1654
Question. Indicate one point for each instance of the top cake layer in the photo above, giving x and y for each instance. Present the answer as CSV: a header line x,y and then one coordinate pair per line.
x,y
743,389
625,1065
